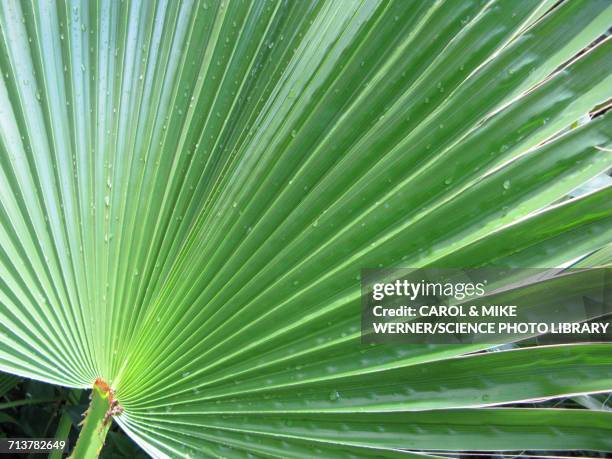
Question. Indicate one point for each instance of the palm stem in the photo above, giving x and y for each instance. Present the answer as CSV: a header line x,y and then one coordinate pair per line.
x,y
95,425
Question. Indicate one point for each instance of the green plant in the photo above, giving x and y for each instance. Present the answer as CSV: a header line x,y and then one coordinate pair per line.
x,y
189,190
35,409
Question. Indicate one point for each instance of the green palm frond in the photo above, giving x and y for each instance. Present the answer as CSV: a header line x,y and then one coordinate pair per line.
x,y
189,190
7,382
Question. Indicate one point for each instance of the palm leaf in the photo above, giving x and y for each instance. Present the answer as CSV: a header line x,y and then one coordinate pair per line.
x,y
189,190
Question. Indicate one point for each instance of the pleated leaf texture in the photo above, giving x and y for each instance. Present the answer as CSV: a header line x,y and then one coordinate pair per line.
x,y
189,190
